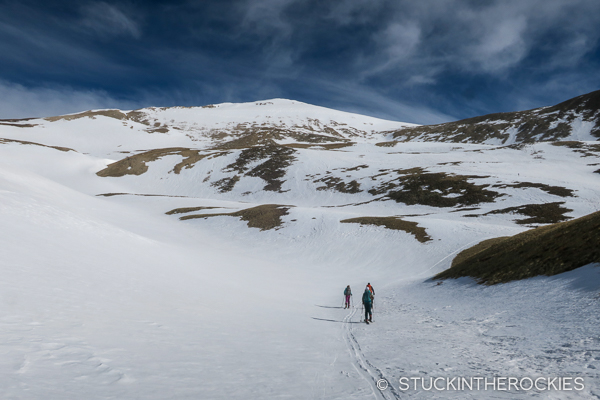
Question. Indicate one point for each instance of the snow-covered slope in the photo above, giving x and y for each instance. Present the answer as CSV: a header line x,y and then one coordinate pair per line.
x,y
574,119
202,253
114,132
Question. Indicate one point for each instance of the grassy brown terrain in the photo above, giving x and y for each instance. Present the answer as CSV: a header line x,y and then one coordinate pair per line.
x,y
136,164
117,114
65,149
554,190
586,149
264,217
245,137
225,185
187,210
335,183
416,186
18,125
546,213
393,223
276,161
548,250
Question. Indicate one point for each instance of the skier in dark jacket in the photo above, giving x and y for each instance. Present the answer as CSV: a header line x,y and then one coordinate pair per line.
x,y
347,293
367,300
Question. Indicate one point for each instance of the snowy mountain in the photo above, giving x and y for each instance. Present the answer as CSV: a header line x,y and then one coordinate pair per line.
x,y
213,126
575,119
202,252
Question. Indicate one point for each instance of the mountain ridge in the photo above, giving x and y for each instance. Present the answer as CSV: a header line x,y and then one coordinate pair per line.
x,y
579,116
282,120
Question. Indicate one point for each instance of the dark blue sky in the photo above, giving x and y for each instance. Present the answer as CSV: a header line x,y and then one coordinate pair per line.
x,y
415,61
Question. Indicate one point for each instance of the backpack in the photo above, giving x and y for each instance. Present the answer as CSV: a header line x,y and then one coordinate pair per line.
x,y
347,292
367,297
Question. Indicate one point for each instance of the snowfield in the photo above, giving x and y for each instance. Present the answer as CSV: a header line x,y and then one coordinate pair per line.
x,y
105,296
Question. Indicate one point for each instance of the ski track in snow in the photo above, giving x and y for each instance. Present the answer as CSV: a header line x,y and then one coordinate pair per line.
x,y
426,330
367,371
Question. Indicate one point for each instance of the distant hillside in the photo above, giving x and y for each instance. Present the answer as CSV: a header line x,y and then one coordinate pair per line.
x,y
238,126
547,250
285,152
577,119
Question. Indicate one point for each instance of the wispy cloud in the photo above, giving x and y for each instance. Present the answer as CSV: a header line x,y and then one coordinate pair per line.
x,y
459,57
266,16
109,20
266,22
418,41
500,46
399,42
34,44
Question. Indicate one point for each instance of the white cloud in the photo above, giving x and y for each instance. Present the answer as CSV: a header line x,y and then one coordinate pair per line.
x,y
501,46
396,45
108,20
417,41
401,40
17,101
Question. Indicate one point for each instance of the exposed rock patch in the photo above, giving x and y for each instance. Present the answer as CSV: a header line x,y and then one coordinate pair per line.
x,y
554,190
337,184
547,213
267,136
415,186
226,184
272,170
